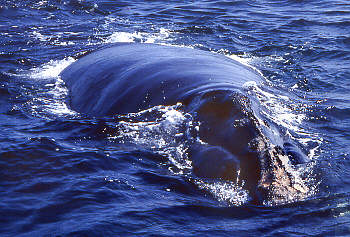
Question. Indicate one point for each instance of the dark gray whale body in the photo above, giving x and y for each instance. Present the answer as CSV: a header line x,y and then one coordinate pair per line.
x,y
129,77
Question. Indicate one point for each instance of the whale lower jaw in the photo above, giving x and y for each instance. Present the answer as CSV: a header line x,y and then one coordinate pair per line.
x,y
279,180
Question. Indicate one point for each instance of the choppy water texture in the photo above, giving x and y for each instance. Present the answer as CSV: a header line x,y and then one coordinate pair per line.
x,y
63,173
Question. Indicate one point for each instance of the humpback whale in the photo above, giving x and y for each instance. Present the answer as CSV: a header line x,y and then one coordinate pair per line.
x,y
238,143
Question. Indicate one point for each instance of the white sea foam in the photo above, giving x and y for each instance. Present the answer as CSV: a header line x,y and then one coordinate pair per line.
x,y
43,38
50,101
58,106
225,191
162,129
53,39
51,69
142,37
286,113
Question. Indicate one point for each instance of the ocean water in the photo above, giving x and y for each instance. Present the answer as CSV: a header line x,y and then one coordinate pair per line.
x,y
66,174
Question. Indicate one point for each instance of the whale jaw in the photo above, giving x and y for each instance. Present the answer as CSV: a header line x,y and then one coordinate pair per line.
x,y
280,183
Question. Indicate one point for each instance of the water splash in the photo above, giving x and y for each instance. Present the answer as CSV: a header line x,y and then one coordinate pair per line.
x,y
50,103
50,70
162,129
225,191
141,37
49,100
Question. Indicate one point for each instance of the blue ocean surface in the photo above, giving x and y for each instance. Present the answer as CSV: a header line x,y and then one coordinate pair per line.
x,y
63,173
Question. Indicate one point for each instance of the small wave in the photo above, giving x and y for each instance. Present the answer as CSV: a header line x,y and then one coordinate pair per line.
x,y
60,39
338,112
